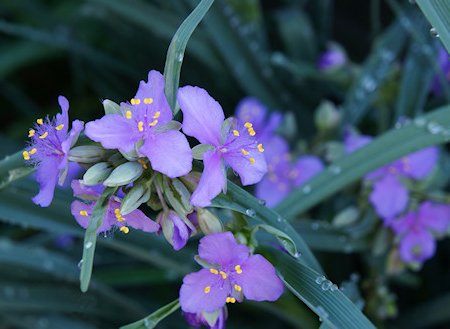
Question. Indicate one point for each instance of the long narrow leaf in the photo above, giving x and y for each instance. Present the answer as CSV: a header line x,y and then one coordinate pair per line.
x,y
153,319
437,12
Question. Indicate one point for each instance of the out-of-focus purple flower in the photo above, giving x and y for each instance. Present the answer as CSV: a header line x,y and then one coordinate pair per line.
x,y
113,218
333,58
416,230
233,275
64,241
444,64
283,175
198,319
49,150
147,119
233,144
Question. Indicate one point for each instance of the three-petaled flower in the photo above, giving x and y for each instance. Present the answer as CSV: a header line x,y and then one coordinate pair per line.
x,y
49,151
233,274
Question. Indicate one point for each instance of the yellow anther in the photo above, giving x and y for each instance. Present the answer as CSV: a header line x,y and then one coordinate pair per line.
x,y
40,121
43,135
251,131
141,126
214,271
124,229
26,155
231,300
33,150
153,123
143,164
31,133
248,125
128,114
260,148
252,160
223,274
235,133
244,152
61,126
84,213
148,100
135,101
238,269
237,288
157,114
117,211
120,219
207,289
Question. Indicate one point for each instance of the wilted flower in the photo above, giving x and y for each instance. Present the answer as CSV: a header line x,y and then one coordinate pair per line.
x,y
49,151
233,274
113,217
146,125
233,144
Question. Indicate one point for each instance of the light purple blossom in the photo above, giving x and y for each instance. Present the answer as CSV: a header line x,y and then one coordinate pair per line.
x,y
234,273
49,150
198,319
334,57
234,144
174,229
416,230
113,218
444,64
143,125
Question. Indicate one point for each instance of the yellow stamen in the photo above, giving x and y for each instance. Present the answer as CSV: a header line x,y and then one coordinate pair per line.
x,y
260,148
31,133
251,131
237,288
61,126
148,100
207,289
244,152
252,160
135,101
33,150
223,274
248,125
157,114
141,126
128,115
143,164
43,135
84,213
235,133
231,300
153,123
26,155
214,271
238,269
124,229
40,121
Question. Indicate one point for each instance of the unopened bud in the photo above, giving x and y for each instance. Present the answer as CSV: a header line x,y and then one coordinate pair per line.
x,y
191,180
87,154
97,174
174,229
327,117
346,217
139,194
111,107
124,174
208,222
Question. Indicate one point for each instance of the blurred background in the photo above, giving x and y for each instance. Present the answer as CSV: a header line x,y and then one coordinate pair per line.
x,y
384,66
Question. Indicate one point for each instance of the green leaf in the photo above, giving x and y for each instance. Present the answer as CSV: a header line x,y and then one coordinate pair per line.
x,y
153,319
431,129
90,237
437,12
176,50
282,237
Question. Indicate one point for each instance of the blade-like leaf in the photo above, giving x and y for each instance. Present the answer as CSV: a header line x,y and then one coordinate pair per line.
x,y
153,319
437,12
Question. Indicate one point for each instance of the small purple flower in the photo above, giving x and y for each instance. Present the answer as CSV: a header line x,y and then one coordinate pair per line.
x,y
444,64
333,58
174,229
283,175
113,218
144,124
198,319
234,144
49,150
234,273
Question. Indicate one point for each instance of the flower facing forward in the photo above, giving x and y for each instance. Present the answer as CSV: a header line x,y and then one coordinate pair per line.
x,y
113,218
233,274
233,144
145,124
49,150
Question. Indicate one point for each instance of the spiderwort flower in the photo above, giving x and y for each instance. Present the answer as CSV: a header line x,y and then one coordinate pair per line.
x,y
113,218
174,229
333,58
233,275
49,150
215,320
235,144
145,123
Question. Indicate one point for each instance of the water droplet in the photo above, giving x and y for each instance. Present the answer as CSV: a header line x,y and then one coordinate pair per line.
x,y
334,287
180,57
434,33
315,226
306,189
326,285
296,255
250,212
335,169
434,128
320,279
420,122
369,83
80,263
88,244
321,313
262,202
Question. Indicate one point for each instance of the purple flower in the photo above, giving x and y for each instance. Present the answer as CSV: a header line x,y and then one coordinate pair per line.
x,y
49,150
233,144
416,230
283,175
333,58
204,318
233,275
174,229
113,218
444,64
145,124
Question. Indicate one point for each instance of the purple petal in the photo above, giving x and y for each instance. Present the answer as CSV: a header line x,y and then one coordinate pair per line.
x,y
331,59
77,127
193,298
403,224
272,189
222,249
420,164
258,280
113,131
179,230
212,182
252,110
63,117
202,115
305,168
417,246
137,220
435,217
47,177
275,149
169,153
79,211
85,192
354,141
389,197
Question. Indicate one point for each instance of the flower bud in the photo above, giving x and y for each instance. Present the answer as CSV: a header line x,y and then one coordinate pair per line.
x,y
327,117
87,154
139,194
111,107
346,217
97,174
191,180
208,222
124,174
174,229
